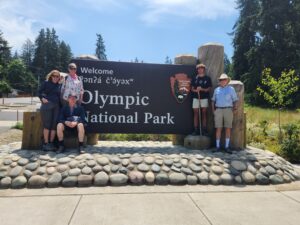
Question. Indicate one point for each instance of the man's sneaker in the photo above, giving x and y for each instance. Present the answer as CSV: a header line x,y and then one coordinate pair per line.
x,y
60,149
81,149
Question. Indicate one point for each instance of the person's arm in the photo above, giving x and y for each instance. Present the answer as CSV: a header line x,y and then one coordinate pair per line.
x,y
212,106
234,99
42,94
81,90
213,100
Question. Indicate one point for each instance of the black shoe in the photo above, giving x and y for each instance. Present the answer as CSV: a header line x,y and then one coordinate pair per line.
x,y
81,149
228,150
196,132
52,147
216,150
61,149
47,147
204,132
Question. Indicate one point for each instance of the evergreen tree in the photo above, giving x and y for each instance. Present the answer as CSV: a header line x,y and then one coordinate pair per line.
x,y
227,65
245,36
52,50
50,53
100,48
5,54
168,60
40,60
27,53
65,55
16,55
278,20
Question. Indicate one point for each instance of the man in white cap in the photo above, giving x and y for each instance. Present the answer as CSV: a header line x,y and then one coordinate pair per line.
x,y
224,103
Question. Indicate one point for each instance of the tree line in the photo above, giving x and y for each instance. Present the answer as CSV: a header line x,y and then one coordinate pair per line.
x,y
266,35
26,70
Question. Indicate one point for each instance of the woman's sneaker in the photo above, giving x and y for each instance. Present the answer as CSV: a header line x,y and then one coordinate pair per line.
x,y
60,149
47,147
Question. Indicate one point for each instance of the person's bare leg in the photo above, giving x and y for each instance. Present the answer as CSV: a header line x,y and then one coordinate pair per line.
x,y
52,135
80,129
60,131
196,118
46,135
204,118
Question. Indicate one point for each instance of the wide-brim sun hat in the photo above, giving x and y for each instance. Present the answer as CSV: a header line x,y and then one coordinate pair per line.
x,y
225,77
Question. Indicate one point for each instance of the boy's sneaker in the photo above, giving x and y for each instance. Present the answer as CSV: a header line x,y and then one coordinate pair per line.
x,y
204,132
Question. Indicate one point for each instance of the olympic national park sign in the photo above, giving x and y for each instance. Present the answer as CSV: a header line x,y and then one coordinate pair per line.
x,y
124,97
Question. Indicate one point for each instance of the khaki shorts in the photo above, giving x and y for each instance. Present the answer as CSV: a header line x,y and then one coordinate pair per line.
x,y
223,115
203,103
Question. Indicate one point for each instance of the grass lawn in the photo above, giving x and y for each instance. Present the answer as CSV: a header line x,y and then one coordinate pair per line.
x,y
256,114
262,134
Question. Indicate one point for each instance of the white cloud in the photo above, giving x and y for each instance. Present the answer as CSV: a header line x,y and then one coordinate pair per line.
x,y
206,10
20,20
99,5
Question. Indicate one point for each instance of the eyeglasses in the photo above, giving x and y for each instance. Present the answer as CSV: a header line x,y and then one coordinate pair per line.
x,y
72,68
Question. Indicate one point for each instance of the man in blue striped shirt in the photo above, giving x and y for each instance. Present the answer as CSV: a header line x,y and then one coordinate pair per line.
x,y
223,106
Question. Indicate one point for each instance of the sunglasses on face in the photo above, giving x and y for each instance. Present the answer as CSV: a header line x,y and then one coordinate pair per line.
x,y
72,68
55,76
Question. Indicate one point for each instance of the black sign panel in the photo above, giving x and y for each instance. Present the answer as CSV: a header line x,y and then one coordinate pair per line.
x,y
136,97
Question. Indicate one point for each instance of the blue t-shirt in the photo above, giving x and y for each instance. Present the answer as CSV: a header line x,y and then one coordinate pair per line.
x,y
224,96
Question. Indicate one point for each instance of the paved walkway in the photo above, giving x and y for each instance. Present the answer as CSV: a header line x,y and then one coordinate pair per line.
x,y
145,205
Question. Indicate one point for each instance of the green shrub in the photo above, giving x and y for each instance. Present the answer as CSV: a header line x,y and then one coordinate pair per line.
x,y
135,137
18,125
290,147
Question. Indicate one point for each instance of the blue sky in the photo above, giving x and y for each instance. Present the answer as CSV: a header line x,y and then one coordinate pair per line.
x,y
147,29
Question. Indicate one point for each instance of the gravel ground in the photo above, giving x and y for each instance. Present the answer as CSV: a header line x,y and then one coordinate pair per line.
x,y
12,135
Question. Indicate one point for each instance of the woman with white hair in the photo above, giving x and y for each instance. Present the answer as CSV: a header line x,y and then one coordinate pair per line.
x,y
49,94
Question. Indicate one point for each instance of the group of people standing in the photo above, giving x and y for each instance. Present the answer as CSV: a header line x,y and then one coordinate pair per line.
x,y
61,108
223,105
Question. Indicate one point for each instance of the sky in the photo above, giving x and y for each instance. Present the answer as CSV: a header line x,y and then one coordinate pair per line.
x,y
147,29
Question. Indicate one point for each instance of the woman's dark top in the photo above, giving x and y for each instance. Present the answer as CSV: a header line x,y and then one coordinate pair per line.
x,y
50,91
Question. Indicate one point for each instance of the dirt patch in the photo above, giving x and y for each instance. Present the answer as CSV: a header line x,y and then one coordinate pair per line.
x,y
12,135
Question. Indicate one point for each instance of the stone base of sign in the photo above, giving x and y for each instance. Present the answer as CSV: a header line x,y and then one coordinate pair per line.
x,y
197,142
178,139
92,139
33,133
